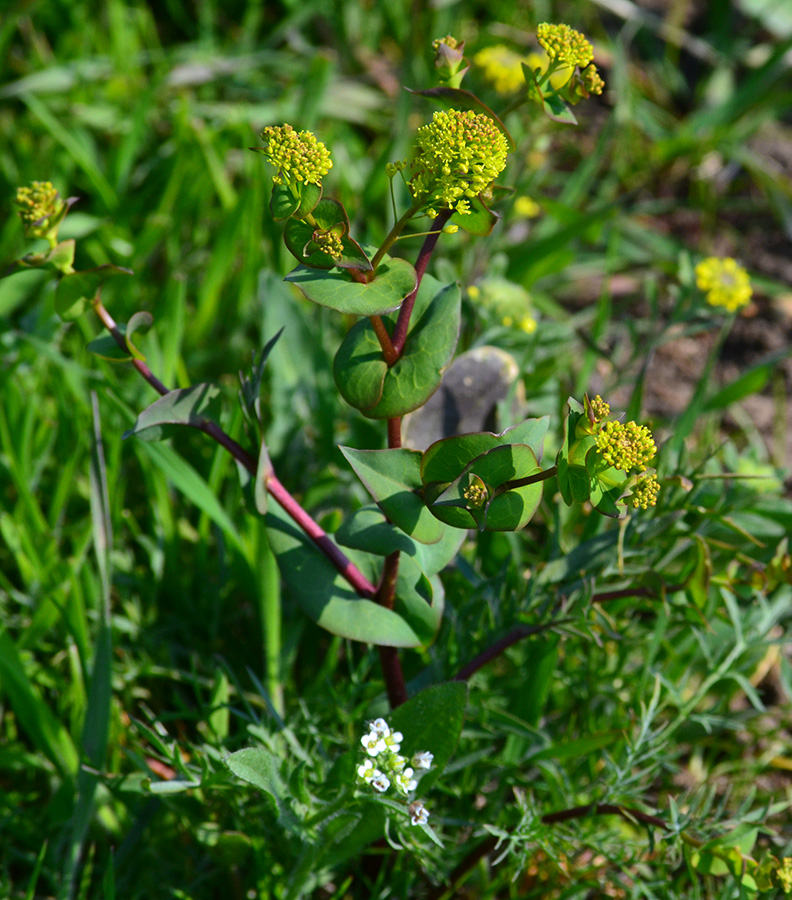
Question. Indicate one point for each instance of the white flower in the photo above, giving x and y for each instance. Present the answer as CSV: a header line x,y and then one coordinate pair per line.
x,y
380,727
419,814
373,743
405,782
366,771
396,763
393,740
423,760
380,782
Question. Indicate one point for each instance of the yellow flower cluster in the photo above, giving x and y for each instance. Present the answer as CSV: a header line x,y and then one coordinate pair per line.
x,y
502,67
600,409
297,156
329,243
725,282
457,156
564,44
37,202
644,492
591,80
625,445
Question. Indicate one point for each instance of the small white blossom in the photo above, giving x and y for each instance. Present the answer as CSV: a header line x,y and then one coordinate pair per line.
x,y
373,743
393,740
366,771
419,814
405,781
397,763
380,782
380,727
423,760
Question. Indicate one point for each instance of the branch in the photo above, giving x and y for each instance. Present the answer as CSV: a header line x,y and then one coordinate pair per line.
x,y
494,651
290,506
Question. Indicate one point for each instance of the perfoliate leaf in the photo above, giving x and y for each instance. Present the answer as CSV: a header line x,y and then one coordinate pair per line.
x,y
365,380
337,290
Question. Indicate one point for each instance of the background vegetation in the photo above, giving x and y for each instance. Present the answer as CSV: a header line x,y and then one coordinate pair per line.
x,y
675,702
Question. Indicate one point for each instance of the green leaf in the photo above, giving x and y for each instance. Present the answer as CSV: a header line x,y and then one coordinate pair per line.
x,y
416,600
325,596
284,204
395,279
393,478
368,529
457,98
329,215
445,459
552,105
380,392
185,406
258,767
75,292
105,347
432,720
60,257
507,510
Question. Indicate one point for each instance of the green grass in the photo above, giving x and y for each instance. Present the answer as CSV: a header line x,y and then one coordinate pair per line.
x,y
144,634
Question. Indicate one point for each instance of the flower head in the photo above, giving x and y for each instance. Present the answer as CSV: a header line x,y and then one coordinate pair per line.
x,y
626,445
457,156
644,492
41,210
592,81
419,814
380,782
564,44
373,743
725,282
502,66
405,781
297,156
423,760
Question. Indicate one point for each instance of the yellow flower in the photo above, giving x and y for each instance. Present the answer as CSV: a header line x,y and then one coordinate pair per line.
x,y
725,282
526,207
502,67
457,156
296,155
564,44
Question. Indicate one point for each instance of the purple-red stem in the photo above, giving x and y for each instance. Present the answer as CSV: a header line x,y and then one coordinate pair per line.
x,y
430,241
322,540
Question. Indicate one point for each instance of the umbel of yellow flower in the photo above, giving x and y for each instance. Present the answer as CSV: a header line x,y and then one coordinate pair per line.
x,y
297,156
457,156
625,445
502,67
564,44
725,282
37,202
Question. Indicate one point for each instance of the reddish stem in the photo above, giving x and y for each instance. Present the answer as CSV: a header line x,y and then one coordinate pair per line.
x,y
394,433
322,540
383,337
430,241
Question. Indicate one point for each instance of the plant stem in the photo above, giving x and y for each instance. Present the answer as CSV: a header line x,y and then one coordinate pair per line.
x,y
529,479
383,337
289,505
397,229
514,636
394,433
400,333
